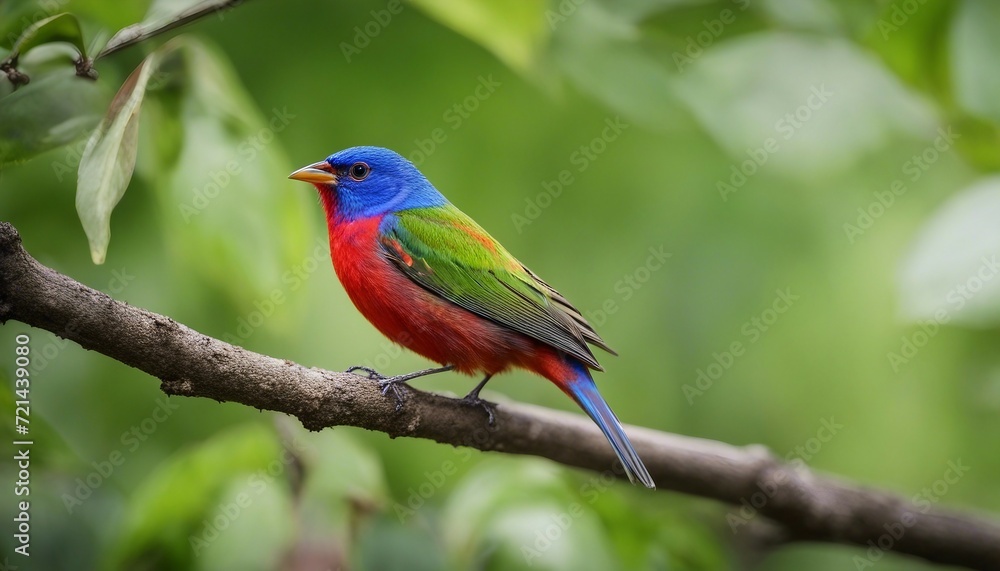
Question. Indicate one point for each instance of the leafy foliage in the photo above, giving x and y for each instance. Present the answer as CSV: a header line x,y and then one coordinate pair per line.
x,y
53,110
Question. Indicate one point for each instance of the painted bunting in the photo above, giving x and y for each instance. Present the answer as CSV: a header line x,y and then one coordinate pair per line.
x,y
432,280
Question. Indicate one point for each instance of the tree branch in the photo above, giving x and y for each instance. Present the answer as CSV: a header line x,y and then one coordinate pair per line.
x,y
808,507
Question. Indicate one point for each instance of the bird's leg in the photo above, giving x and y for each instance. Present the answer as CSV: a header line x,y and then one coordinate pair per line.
x,y
392,383
472,399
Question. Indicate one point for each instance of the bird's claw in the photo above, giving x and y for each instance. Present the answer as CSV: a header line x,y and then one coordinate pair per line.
x,y
393,384
489,407
385,384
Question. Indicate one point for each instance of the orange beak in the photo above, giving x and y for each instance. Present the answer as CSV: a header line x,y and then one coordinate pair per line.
x,y
316,173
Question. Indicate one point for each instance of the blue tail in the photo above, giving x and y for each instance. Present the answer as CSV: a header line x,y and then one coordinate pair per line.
x,y
584,392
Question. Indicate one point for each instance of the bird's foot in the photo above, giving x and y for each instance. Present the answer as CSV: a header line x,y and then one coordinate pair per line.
x,y
387,384
472,399
394,384
489,407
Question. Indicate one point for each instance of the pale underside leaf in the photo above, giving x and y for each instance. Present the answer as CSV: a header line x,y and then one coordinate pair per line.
x,y
109,158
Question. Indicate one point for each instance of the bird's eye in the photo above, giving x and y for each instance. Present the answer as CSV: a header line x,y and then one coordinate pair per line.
x,y
359,171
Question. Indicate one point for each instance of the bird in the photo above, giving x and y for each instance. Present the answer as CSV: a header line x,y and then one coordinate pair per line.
x,y
435,282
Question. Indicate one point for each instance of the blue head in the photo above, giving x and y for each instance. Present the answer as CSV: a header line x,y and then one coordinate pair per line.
x,y
363,182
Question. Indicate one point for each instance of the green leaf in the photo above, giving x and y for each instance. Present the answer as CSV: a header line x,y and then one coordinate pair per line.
x,y
258,535
107,161
975,43
913,43
952,273
518,513
59,28
626,11
163,16
340,469
514,31
388,543
802,104
600,51
344,482
189,489
820,15
53,110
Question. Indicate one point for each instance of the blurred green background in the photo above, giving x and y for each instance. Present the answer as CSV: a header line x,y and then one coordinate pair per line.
x,y
819,172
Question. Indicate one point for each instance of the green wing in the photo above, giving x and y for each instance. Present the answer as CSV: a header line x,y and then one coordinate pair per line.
x,y
446,252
